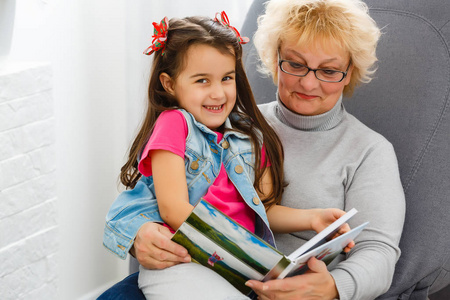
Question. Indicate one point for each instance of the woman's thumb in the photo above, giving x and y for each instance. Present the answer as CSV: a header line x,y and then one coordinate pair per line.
x,y
316,266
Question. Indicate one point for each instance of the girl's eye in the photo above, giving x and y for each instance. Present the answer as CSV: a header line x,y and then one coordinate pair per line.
x,y
203,80
226,78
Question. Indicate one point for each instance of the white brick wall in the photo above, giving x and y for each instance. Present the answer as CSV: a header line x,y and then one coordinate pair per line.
x,y
28,216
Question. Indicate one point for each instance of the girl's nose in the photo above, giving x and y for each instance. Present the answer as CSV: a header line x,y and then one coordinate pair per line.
x,y
217,91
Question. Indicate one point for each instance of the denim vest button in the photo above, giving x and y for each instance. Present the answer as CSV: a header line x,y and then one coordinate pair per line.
x,y
225,145
194,165
239,169
255,200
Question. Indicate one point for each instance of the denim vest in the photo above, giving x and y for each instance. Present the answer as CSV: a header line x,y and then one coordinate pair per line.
x,y
203,159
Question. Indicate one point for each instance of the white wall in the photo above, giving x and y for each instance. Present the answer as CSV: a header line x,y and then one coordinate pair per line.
x,y
28,216
90,93
99,86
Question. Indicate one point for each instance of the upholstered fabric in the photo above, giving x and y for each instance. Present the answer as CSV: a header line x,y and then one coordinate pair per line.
x,y
407,102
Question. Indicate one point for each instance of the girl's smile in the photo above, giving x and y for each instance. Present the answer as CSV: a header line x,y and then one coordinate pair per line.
x,y
213,108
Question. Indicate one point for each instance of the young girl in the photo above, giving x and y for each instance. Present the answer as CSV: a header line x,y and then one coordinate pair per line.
x,y
203,136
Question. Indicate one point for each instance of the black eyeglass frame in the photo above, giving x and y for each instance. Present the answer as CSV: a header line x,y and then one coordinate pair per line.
x,y
344,73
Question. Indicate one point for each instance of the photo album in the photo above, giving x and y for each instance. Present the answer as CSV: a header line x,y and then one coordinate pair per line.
x,y
219,243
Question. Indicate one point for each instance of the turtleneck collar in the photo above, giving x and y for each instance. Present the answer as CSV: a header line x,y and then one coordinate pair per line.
x,y
321,122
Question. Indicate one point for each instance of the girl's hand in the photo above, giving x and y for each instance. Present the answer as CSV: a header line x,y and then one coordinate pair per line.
x,y
324,217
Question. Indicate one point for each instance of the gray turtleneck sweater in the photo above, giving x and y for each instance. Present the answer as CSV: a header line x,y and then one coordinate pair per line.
x,y
333,160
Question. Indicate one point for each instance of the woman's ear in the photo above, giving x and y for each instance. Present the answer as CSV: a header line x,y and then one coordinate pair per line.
x,y
167,83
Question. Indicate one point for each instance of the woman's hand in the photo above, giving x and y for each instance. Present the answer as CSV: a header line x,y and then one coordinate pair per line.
x,y
316,283
324,217
154,249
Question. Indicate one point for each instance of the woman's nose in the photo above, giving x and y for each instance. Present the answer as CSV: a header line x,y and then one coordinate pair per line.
x,y
309,82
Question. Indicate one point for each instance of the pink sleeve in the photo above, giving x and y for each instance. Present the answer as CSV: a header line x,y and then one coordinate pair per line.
x,y
169,134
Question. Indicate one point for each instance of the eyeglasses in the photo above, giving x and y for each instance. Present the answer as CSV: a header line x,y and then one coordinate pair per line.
x,y
301,70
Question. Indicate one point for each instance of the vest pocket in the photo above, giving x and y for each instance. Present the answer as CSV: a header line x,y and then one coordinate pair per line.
x,y
194,163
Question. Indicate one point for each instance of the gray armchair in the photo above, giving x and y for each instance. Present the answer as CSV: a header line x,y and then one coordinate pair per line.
x,y
409,103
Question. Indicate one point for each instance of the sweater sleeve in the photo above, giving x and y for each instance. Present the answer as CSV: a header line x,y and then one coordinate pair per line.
x,y
375,190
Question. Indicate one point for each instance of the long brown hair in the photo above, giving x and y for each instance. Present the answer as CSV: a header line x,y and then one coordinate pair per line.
x,y
182,34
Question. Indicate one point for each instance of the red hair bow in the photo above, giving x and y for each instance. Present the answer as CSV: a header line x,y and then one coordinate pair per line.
x,y
159,37
222,18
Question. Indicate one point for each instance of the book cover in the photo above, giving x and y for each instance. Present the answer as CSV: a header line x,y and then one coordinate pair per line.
x,y
219,243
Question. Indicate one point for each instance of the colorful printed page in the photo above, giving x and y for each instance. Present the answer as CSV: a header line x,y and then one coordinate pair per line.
x,y
217,242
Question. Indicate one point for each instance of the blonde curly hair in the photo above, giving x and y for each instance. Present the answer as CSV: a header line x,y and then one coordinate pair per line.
x,y
343,23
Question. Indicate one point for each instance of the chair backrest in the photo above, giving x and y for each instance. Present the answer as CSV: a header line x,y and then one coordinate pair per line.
x,y
408,102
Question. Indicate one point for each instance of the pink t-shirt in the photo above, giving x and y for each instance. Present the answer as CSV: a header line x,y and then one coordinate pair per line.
x,y
169,133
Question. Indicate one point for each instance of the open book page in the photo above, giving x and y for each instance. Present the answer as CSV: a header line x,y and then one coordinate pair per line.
x,y
326,252
323,236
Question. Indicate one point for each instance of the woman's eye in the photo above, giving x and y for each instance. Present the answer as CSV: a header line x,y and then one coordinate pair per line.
x,y
329,72
295,65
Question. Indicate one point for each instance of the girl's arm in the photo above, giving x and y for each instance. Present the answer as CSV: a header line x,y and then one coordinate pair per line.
x,y
284,219
170,187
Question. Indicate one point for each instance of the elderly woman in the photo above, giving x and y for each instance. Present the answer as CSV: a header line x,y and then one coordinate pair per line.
x,y
317,51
